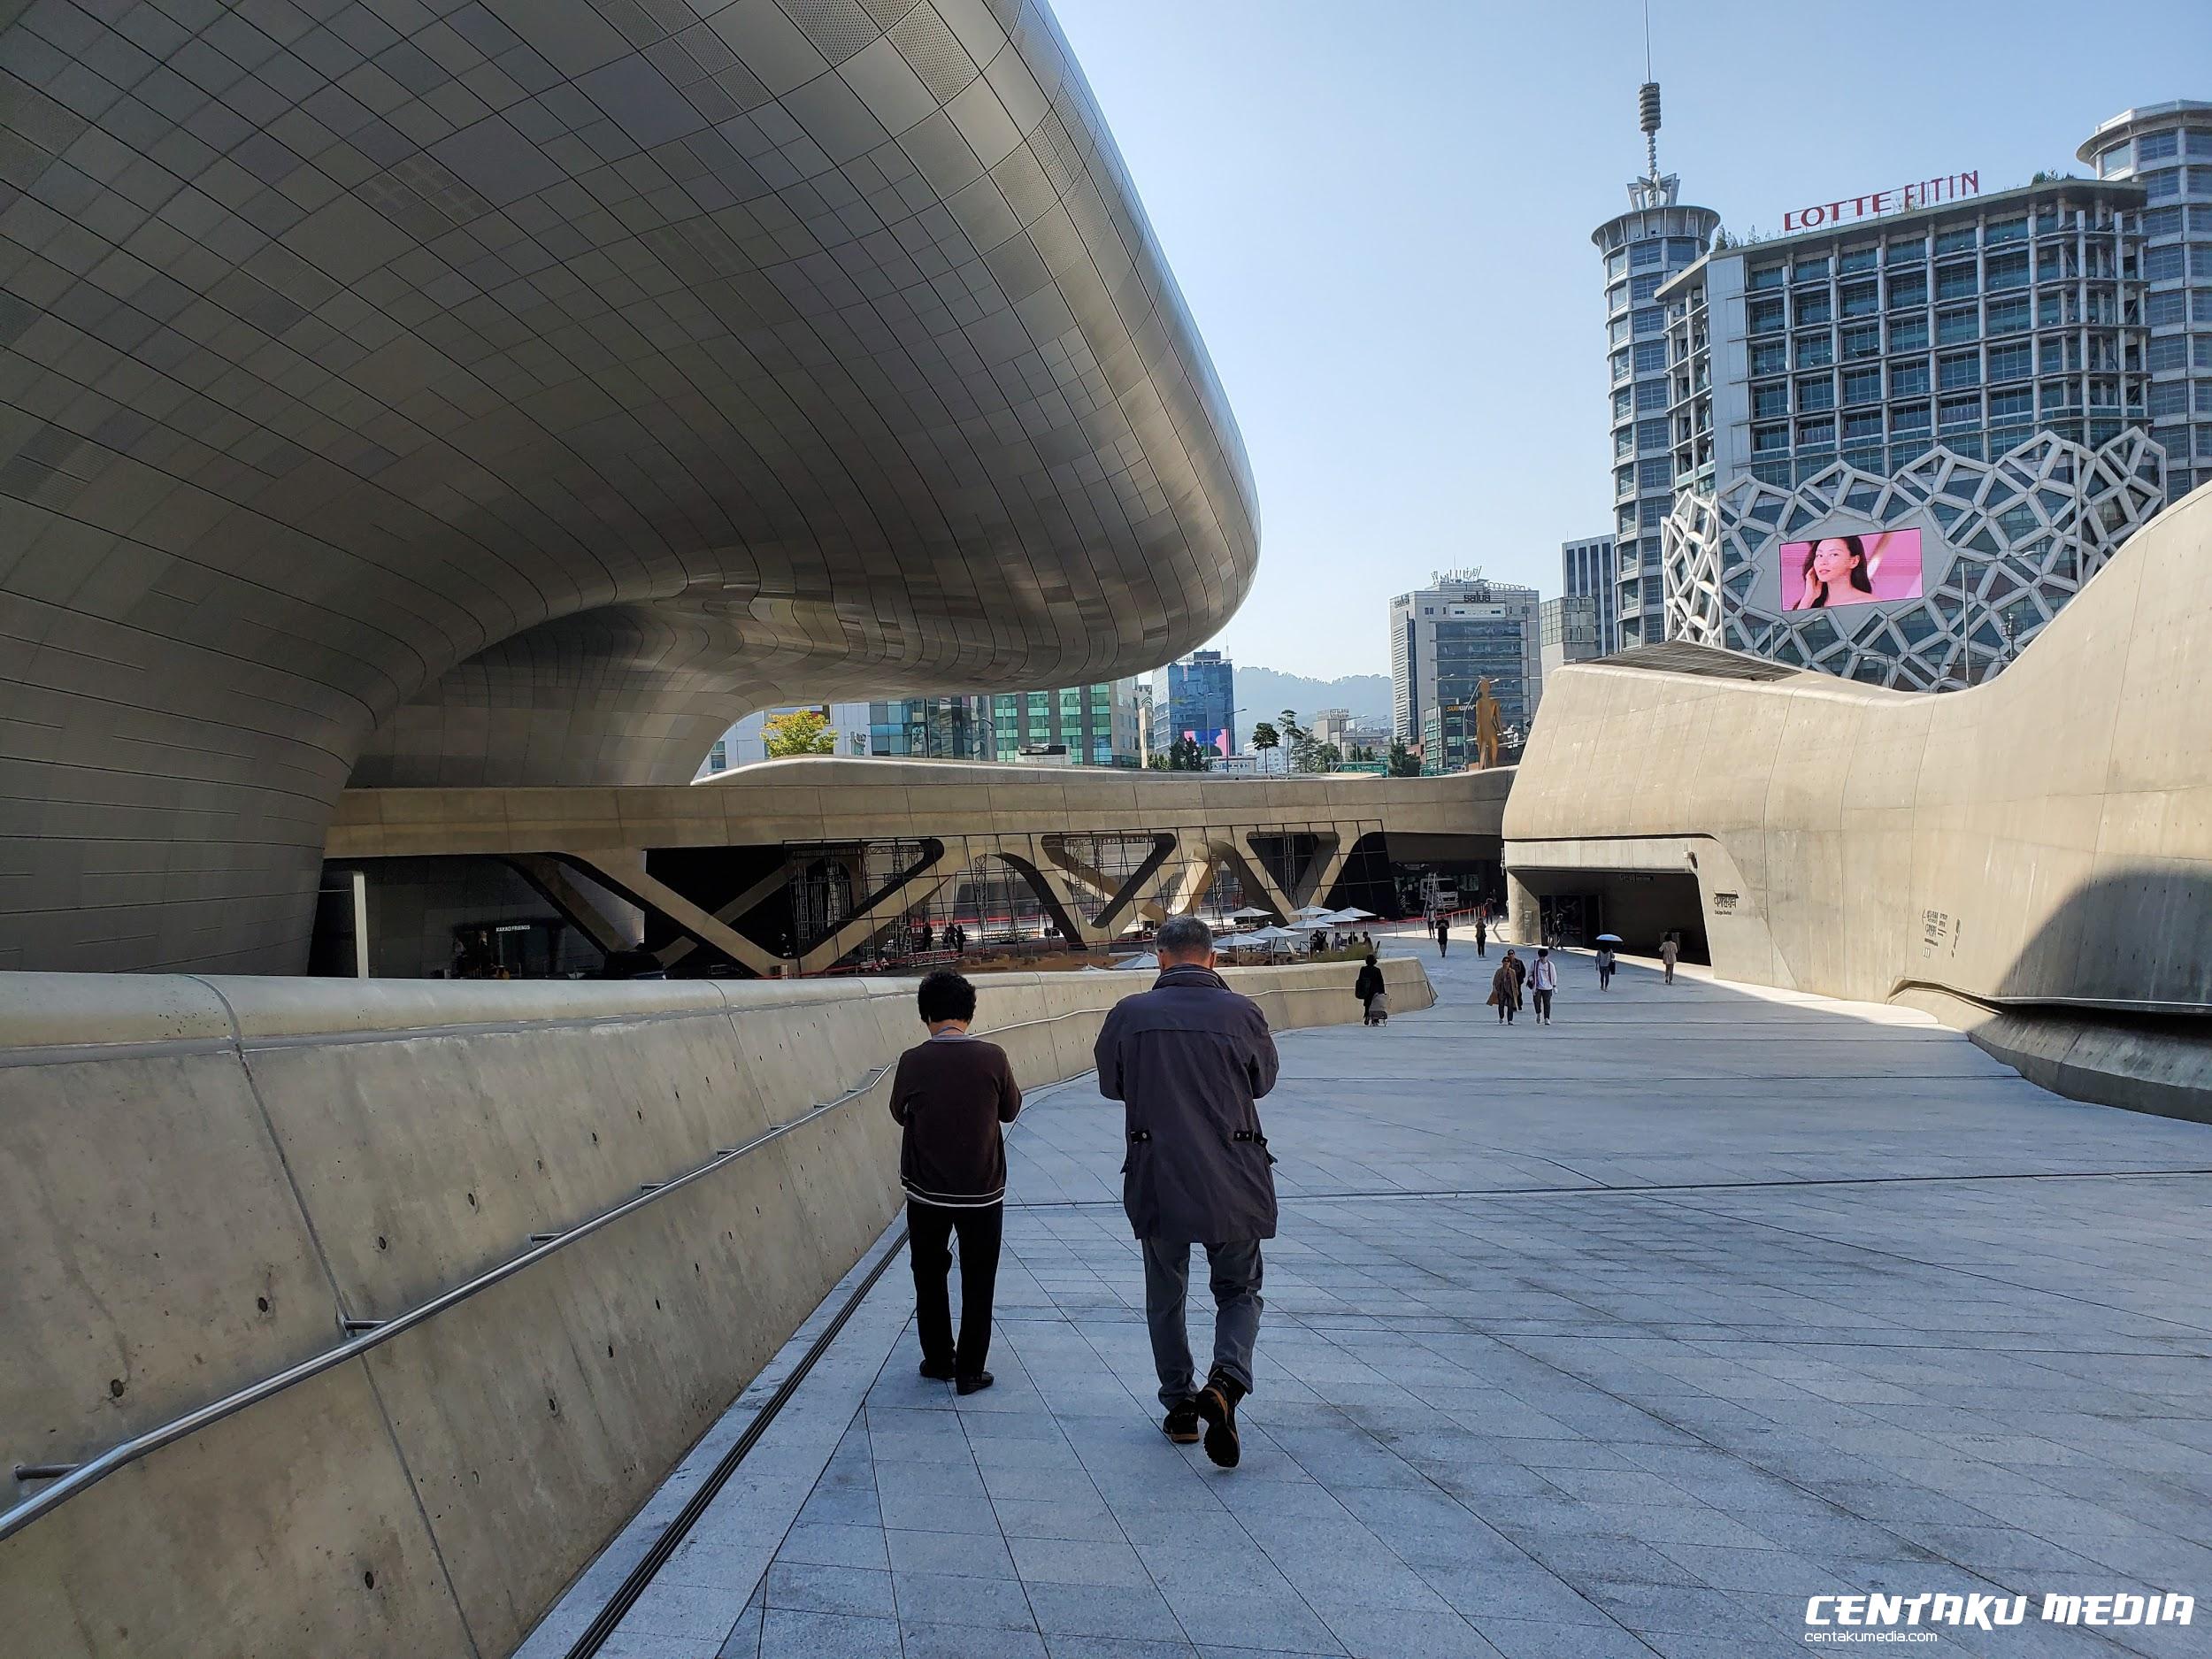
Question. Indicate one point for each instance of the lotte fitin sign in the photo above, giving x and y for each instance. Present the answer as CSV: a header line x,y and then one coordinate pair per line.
x,y
1950,187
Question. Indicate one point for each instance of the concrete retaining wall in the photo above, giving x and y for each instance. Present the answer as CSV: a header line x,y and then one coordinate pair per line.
x,y
200,1177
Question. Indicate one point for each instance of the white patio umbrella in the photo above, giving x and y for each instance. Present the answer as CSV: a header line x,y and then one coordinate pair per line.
x,y
1355,915
1250,913
1311,912
1148,960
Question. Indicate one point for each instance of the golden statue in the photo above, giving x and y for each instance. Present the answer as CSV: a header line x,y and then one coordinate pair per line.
x,y
1486,712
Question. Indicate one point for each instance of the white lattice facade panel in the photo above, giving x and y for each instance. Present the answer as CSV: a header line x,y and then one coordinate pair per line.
x,y
2005,544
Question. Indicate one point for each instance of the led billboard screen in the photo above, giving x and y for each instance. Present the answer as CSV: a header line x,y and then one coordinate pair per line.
x,y
1850,569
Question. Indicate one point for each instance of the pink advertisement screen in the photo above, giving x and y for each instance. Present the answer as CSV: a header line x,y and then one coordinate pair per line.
x,y
1850,569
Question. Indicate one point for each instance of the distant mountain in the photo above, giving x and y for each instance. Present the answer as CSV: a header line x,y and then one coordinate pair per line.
x,y
1264,693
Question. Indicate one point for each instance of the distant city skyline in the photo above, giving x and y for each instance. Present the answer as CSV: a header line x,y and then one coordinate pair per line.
x,y
1383,234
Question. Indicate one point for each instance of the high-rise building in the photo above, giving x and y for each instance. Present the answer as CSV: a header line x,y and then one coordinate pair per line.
x,y
1447,638
932,729
1568,630
1642,247
1901,443
2167,149
1587,570
1095,724
1201,700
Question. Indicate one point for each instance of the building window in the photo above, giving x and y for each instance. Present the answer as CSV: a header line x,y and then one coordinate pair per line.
x,y
2158,146
1909,334
1909,380
2011,363
2008,316
1960,240
1771,357
2114,161
1862,385
1651,396
1769,440
2163,265
2162,221
1963,370
1811,271
1912,252
1960,412
1909,418
1956,282
1955,327
1861,299
2198,140
1813,396
2004,230
1622,401
1651,435
1814,307
1644,286
1615,265
2012,405
1764,277
1815,351
2162,184
1655,473
1620,365
2011,271
1815,434
1646,253
2169,307
2167,352
2201,259
1858,260
1765,317
1863,428
2201,305
1865,341
1908,290
1769,403
1650,320
1651,355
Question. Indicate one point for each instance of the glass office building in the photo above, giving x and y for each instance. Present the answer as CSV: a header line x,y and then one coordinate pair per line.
x,y
1962,388
2167,150
1448,638
1656,238
1201,698
1095,724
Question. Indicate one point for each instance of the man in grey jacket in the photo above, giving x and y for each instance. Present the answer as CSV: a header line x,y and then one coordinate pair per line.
x,y
1188,1058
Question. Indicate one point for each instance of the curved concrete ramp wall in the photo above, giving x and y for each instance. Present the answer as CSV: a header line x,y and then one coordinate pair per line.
x,y
199,1179
2039,845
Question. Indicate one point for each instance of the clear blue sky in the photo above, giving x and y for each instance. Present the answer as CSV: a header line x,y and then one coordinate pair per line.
x,y
1380,215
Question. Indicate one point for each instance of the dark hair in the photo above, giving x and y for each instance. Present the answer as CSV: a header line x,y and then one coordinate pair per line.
x,y
1371,958
1186,939
944,996
1859,578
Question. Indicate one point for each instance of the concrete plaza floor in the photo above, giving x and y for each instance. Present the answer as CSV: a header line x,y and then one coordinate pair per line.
x,y
1616,1337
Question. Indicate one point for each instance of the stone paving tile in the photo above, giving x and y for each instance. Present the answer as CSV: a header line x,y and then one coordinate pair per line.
x,y
1876,1315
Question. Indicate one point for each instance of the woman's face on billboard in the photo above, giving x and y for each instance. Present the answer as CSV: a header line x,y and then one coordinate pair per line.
x,y
1832,563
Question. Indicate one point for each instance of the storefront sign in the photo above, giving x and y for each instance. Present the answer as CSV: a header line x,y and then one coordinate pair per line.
x,y
1905,197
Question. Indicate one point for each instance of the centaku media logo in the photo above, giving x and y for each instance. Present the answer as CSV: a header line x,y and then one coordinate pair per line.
x,y
1850,1618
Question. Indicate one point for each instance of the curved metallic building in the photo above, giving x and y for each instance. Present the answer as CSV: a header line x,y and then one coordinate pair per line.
x,y
517,397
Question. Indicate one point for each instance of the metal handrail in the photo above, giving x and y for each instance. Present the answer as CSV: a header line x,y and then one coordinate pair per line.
x,y
69,1479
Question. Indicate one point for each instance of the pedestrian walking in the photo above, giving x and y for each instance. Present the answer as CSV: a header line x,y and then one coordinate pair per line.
x,y
1670,953
1374,997
1505,991
949,1094
1520,975
1543,980
1187,1059
1443,934
1482,934
1606,965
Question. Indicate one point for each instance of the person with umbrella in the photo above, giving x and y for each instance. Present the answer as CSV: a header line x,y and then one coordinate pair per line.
x,y
1606,963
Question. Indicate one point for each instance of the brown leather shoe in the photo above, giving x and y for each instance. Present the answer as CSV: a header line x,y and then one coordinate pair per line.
x,y
1217,1403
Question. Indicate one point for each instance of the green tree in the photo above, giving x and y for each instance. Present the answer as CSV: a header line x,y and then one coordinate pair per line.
x,y
1298,740
1403,762
1265,737
804,732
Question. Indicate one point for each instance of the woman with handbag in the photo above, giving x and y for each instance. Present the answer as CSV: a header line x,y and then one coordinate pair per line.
x,y
1372,994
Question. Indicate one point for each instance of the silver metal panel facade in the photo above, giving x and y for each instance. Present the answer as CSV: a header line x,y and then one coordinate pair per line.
x,y
519,391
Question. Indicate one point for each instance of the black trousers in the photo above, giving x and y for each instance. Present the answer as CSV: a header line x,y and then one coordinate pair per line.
x,y
1543,1005
930,1228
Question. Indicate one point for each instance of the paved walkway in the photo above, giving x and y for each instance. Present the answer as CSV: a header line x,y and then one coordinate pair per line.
x,y
1616,1337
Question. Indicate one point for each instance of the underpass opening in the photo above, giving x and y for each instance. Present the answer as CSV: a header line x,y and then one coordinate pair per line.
x,y
1572,907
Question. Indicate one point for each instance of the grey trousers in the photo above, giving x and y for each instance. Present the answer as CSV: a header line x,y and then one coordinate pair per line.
x,y
1234,1269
